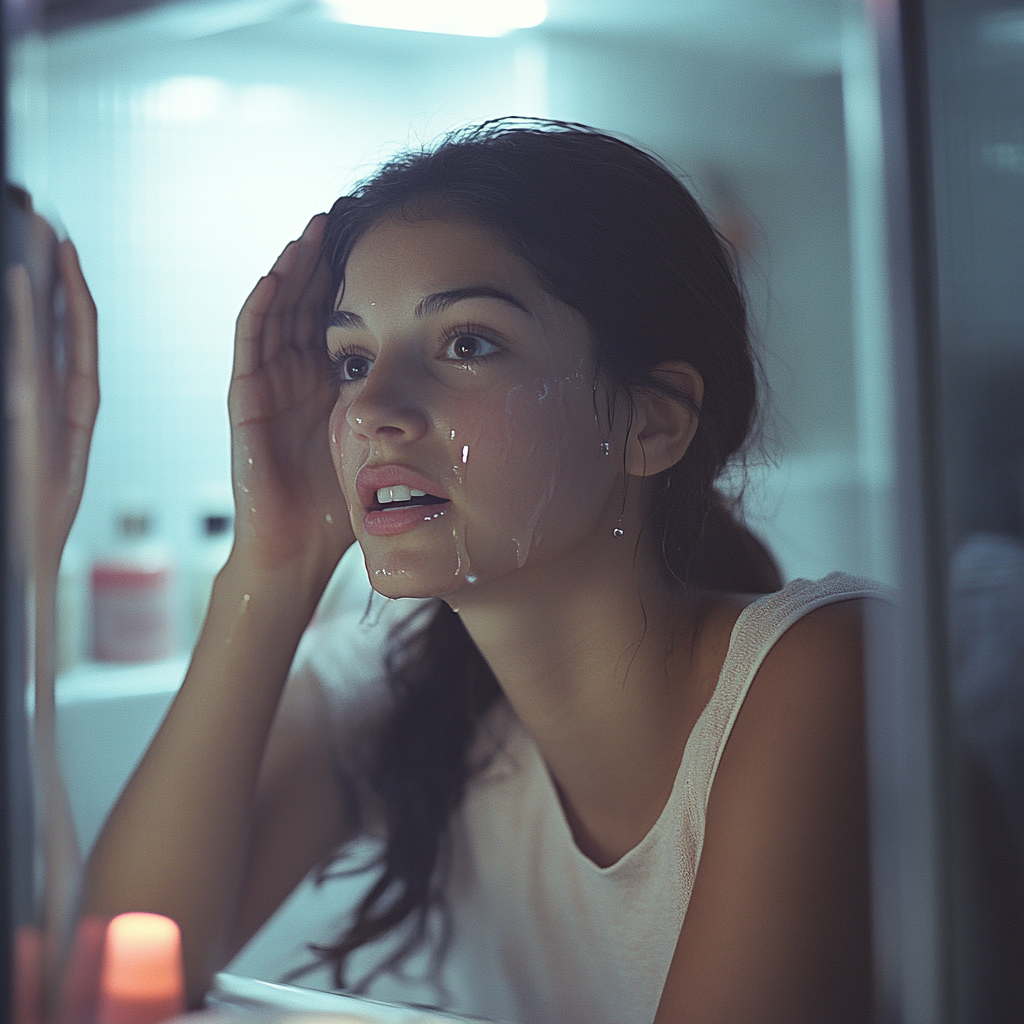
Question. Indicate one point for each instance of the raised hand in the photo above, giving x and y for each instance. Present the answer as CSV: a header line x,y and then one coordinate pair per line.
x,y
55,392
290,509
53,398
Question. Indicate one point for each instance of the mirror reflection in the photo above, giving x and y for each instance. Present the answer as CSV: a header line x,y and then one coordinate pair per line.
x,y
586,393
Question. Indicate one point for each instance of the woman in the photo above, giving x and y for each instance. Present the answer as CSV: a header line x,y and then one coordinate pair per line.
x,y
537,366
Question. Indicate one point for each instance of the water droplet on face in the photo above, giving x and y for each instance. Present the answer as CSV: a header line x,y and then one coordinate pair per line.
x,y
250,461
522,550
616,532
606,448
453,435
462,566
465,454
328,518
471,577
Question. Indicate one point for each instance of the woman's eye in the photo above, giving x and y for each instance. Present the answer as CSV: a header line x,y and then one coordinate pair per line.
x,y
354,367
469,346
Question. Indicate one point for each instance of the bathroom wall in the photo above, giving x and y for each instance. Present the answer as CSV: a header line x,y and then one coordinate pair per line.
x,y
182,155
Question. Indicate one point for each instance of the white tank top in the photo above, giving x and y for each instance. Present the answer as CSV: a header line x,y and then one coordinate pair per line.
x,y
540,934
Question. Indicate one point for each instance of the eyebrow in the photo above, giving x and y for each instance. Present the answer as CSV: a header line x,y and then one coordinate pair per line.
x,y
432,305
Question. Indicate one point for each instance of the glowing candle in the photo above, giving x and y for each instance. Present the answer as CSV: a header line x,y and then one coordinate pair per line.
x,y
142,980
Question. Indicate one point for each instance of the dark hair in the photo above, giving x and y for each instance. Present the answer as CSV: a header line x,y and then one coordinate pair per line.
x,y
613,233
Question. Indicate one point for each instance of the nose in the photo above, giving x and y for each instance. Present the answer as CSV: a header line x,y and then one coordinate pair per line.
x,y
388,404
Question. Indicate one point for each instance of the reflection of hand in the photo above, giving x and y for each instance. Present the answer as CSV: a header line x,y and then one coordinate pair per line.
x,y
289,505
55,398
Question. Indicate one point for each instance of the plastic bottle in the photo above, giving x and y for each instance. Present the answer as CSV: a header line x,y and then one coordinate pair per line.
x,y
215,539
132,600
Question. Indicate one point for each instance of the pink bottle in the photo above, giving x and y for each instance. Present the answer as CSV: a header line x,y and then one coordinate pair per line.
x,y
132,596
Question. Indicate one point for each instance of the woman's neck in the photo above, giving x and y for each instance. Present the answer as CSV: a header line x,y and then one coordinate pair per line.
x,y
597,657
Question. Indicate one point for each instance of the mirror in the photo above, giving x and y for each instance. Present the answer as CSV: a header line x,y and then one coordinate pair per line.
x,y
181,144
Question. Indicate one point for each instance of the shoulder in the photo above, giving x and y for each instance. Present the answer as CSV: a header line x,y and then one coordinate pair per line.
x,y
793,766
823,642
809,634
806,650
778,924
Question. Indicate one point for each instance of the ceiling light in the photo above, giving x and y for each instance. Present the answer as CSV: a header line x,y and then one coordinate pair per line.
x,y
452,17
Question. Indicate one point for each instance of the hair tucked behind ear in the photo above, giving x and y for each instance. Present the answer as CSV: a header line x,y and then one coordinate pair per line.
x,y
610,231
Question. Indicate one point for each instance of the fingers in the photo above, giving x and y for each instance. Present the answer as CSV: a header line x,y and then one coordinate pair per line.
x,y
82,352
24,375
22,400
305,254
276,308
288,322
249,326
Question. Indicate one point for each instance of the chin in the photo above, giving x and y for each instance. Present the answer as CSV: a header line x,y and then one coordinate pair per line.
x,y
403,576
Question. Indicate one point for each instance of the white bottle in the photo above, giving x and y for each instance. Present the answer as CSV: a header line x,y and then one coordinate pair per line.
x,y
215,539
132,594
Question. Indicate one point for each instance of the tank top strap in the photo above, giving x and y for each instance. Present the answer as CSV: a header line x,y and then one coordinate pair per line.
x,y
756,631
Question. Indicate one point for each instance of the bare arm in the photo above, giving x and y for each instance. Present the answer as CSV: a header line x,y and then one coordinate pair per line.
x,y
53,398
778,927
233,802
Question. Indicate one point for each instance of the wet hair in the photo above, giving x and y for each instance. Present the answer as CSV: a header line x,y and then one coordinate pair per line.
x,y
613,233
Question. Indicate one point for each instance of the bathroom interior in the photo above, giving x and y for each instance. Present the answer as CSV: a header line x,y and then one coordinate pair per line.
x,y
866,161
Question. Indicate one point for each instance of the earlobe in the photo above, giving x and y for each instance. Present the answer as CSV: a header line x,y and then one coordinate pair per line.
x,y
664,423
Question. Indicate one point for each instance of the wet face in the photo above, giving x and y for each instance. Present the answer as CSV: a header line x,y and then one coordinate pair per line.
x,y
464,435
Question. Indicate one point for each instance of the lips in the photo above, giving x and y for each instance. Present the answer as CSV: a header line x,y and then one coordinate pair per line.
x,y
379,519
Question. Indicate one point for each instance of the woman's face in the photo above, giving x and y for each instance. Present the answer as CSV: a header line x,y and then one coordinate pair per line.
x,y
465,435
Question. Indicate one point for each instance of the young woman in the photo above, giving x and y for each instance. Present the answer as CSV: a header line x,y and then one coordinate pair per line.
x,y
609,781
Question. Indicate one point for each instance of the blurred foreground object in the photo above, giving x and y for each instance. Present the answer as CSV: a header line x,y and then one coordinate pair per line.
x,y
143,981
51,400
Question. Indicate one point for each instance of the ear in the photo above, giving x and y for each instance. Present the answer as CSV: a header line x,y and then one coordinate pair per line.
x,y
663,426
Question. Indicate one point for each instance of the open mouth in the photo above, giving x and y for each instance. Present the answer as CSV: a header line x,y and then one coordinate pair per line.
x,y
400,496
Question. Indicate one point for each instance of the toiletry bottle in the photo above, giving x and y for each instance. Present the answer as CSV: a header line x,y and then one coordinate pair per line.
x,y
215,539
132,599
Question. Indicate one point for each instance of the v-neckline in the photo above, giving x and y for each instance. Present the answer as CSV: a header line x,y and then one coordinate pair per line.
x,y
553,801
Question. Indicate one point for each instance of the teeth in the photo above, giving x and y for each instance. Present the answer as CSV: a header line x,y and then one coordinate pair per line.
x,y
398,493
386,495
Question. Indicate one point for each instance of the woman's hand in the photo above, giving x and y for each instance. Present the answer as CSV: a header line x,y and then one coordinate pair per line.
x,y
55,395
290,509
53,399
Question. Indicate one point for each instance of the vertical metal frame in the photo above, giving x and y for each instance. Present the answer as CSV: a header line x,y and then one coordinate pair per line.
x,y
907,741
7,882
909,748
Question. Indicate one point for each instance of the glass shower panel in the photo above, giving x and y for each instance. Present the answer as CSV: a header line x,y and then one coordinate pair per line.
x,y
975,55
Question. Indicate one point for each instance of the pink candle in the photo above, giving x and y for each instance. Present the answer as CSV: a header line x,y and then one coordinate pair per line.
x,y
142,980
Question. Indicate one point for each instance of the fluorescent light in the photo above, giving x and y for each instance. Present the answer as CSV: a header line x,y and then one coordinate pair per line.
x,y
452,17
192,98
